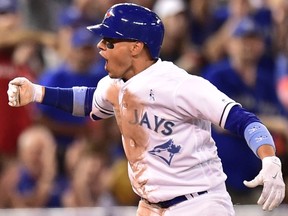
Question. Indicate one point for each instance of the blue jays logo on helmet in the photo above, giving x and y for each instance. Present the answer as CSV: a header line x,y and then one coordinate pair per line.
x,y
108,14
132,21
166,151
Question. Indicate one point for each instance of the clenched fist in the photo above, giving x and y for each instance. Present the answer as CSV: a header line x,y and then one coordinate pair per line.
x,y
21,92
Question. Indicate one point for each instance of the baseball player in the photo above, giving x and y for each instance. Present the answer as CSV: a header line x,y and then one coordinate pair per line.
x,y
165,116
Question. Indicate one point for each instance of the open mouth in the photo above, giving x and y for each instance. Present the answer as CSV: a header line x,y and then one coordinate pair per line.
x,y
106,63
106,60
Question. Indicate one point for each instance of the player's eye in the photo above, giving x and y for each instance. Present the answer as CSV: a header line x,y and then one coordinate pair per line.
x,y
109,42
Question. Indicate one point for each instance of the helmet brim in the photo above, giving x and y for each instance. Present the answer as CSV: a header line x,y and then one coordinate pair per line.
x,y
104,31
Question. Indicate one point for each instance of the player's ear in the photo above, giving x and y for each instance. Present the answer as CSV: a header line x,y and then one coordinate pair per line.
x,y
137,48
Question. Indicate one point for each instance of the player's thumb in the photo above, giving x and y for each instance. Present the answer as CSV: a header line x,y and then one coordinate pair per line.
x,y
253,183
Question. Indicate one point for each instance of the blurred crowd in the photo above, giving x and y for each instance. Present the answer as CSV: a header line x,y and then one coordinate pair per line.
x,y
49,158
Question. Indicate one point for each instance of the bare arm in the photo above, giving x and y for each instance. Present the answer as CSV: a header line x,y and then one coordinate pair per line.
x,y
265,151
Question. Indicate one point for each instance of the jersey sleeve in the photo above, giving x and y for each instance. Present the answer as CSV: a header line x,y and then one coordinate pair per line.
x,y
197,97
101,107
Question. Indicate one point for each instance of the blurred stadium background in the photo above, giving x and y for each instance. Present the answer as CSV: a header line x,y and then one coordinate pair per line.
x,y
45,36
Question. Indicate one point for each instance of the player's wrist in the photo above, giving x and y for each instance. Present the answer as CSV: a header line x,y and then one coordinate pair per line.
x,y
271,159
38,93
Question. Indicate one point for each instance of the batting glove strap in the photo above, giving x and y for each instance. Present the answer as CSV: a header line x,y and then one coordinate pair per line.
x,y
273,185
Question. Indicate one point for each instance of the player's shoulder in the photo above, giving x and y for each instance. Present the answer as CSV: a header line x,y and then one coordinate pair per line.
x,y
170,71
169,66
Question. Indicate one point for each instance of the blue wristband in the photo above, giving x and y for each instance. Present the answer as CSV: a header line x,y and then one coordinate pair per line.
x,y
256,135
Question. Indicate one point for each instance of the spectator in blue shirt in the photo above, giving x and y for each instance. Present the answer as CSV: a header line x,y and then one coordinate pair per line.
x,y
83,67
246,75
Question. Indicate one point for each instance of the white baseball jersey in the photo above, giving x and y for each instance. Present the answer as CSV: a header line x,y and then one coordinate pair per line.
x,y
165,115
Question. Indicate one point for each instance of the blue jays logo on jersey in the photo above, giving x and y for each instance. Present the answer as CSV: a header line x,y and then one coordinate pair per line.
x,y
166,151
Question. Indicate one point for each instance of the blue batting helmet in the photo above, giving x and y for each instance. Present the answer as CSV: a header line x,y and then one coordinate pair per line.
x,y
132,21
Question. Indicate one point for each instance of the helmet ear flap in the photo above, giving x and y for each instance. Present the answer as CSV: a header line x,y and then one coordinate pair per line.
x,y
135,22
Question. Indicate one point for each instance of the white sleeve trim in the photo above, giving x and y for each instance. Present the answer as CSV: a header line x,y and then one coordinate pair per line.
x,y
99,110
225,113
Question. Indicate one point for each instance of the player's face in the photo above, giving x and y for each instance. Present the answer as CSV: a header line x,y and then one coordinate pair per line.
x,y
117,54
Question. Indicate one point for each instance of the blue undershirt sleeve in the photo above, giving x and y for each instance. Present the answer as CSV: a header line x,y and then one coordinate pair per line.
x,y
76,100
61,98
238,119
248,125
88,100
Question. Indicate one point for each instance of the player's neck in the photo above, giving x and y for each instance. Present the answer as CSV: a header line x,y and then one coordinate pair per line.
x,y
138,66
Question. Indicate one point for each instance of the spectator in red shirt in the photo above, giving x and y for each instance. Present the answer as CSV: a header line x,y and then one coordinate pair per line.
x,y
16,48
